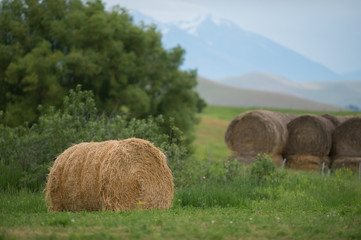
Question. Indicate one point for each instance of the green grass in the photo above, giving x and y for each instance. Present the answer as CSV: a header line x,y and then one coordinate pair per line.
x,y
209,143
296,206
228,113
218,201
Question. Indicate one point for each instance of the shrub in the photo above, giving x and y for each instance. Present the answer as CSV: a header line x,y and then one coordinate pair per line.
x,y
26,153
263,168
233,168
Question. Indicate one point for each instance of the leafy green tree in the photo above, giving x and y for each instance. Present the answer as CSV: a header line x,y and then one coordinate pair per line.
x,y
48,47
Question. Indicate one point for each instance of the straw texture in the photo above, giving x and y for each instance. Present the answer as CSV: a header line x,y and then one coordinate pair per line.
x,y
111,175
258,131
309,142
346,144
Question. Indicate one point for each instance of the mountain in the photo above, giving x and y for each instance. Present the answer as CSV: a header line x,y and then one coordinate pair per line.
x,y
219,48
353,76
215,93
342,94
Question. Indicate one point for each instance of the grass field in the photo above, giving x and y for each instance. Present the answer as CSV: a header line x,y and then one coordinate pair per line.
x,y
300,206
228,113
224,202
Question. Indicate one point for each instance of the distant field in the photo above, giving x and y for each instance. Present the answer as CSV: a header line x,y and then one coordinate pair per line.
x,y
209,141
228,113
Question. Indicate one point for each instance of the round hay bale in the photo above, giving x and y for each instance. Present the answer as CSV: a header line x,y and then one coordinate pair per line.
x,y
346,144
258,131
111,175
309,138
309,135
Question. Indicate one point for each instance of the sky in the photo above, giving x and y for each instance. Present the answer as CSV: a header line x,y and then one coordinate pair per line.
x,y
325,31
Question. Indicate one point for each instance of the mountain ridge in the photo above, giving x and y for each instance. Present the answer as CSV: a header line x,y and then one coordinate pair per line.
x,y
219,48
215,93
342,94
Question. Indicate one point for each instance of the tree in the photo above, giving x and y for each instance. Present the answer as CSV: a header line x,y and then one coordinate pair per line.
x,y
48,47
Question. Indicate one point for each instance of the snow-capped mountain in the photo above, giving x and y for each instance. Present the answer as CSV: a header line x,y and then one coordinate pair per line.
x,y
219,48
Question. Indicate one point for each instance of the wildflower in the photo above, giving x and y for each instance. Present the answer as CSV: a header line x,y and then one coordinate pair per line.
x,y
278,218
250,219
230,222
213,221
139,205
204,177
72,220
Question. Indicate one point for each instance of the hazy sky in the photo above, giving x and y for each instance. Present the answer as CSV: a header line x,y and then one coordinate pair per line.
x,y
326,31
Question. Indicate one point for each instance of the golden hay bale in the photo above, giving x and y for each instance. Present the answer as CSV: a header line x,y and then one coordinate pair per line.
x,y
307,162
309,138
258,131
346,144
111,175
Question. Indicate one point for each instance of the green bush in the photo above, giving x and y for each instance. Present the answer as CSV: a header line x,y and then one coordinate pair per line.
x,y
27,153
233,168
263,168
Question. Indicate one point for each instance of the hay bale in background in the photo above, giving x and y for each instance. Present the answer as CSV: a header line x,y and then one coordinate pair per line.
x,y
111,175
258,131
336,120
346,144
309,142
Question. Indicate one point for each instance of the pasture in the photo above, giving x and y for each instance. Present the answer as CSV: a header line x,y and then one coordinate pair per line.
x,y
214,199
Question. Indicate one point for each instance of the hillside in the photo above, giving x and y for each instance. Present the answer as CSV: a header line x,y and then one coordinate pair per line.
x,y
335,93
221,95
